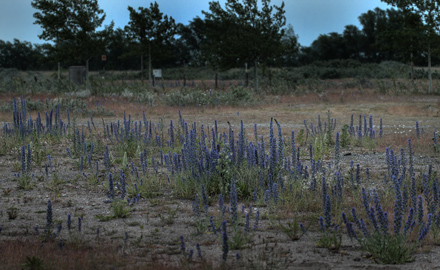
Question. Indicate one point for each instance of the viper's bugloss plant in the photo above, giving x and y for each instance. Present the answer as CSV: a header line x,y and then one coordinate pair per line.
x,y
221,204
337,150
257,219
182,244
111,186
435,146
49,215
225,244
211,222
196,206
69,222
79,224
204,199
234,206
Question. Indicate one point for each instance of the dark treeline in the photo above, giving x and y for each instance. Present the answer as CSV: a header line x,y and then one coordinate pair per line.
x,y
223,39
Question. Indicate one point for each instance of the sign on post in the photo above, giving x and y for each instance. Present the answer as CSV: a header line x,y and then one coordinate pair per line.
x,y
157,73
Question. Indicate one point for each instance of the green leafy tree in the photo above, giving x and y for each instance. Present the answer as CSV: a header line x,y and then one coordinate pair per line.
x,y
118,48
152,32
372,22
192,39
352,38
242,33
327,47
18,54
430,12
72,26
289,55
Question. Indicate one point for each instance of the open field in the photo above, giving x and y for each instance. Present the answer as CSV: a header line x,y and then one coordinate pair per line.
x,y
104,193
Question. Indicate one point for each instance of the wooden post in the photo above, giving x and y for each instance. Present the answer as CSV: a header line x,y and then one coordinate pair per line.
x,y
256,75
247,75
270,78
184,73
149,62
87,74
142,69
429,70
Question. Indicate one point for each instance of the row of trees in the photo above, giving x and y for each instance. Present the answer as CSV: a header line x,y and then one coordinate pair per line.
x,y
241,32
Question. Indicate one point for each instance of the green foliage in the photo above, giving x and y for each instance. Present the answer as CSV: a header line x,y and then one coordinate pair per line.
x,y
12,212
7,192
77,40
148,189
201,224
239,239
320,147
232,32
331,240
25,182
55,184
39,152
220,183
345,137
301,137
151,31
237,95
240,95
389,248
435,144
120,209
33,263
169,218
291,229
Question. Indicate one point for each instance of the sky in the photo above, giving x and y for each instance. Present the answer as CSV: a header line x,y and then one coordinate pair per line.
x,y
309,18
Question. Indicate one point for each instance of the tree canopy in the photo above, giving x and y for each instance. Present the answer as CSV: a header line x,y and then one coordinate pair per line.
x,y
72,25
152,31
225,36
242,32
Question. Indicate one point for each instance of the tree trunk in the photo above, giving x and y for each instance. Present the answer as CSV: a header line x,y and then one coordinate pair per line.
x,y
429,70
270,78
216,81
59,70
256,75
87,74
149,63
142,69
412,67
246,75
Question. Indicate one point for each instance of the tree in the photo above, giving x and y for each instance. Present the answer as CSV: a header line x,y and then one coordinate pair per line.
x,y
290,50
401,36
352,38
327,47
72,25
430,11
372,22
118,45
152,31
21,55
192,39
242,33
